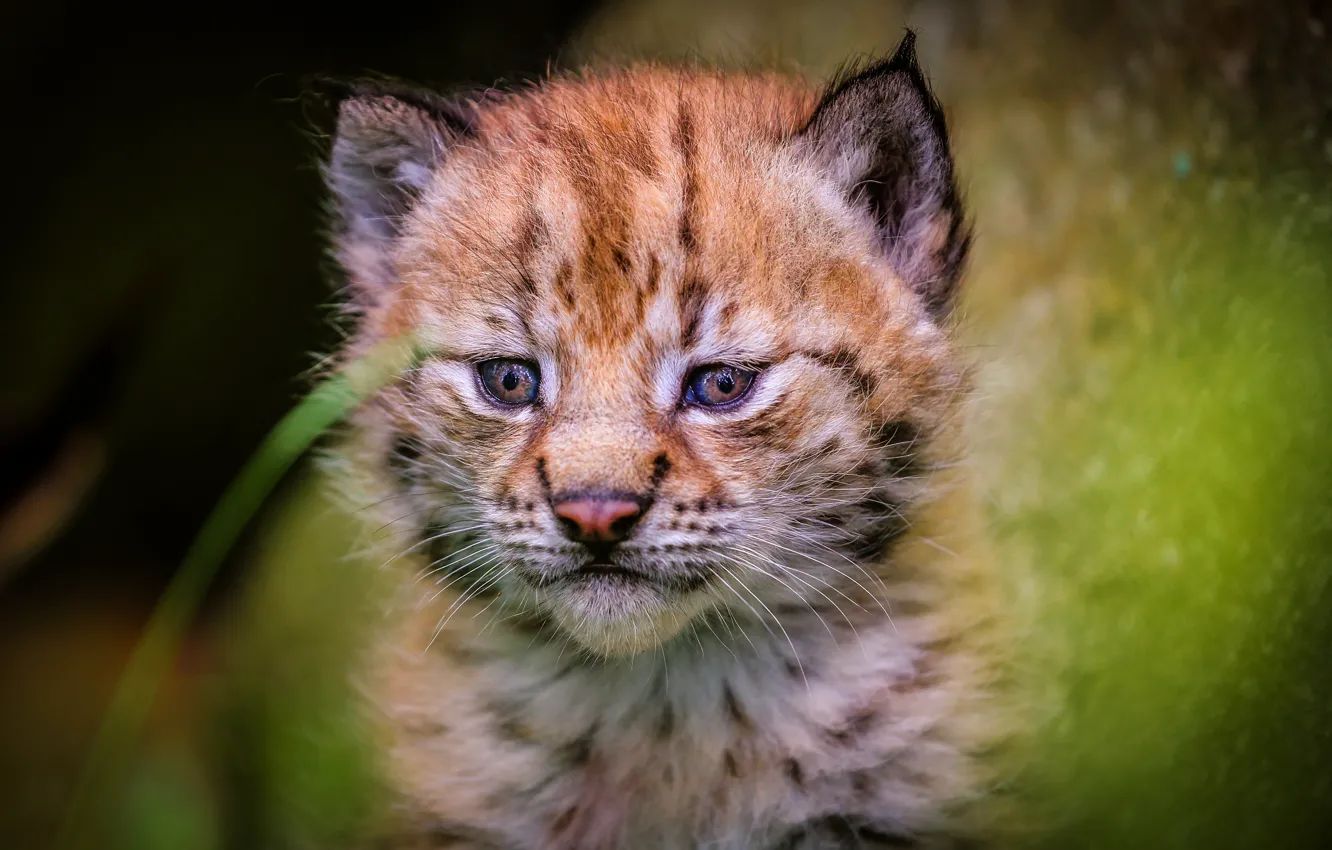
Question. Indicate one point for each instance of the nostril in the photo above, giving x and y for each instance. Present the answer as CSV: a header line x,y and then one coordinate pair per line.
x,y
597,518
569,526
623,525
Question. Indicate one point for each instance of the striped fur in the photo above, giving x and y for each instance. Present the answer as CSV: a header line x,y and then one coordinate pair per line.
x,y
811,669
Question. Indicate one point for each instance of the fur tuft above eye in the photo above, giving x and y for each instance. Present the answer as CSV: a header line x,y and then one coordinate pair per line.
x,y
718,386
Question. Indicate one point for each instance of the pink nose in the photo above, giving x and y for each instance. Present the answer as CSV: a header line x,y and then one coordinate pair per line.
x,y
597,519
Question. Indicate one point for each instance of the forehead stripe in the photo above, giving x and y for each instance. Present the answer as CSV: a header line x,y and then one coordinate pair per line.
x,y
683,136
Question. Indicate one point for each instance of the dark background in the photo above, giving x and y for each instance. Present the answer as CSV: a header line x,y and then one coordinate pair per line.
x,y
163,291
164,276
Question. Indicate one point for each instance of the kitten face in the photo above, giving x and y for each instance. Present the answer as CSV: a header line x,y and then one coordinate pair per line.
x,y
675,373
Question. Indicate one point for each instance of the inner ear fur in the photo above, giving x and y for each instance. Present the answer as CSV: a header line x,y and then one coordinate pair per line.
x,y
880,134
389,139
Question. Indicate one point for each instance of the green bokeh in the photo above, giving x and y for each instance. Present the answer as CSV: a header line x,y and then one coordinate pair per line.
x,y
1178,564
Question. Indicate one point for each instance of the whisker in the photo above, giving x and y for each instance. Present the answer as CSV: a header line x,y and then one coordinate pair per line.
x,y
791,571
755,568
777,621
431,539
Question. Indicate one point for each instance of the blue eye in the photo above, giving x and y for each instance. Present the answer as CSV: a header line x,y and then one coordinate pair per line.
x,y
511,382
717,386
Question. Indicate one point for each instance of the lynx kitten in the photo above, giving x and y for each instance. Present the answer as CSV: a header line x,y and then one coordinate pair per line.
x,y
692,552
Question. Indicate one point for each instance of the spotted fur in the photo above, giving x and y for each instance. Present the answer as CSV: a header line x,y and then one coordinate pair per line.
x,y
807,663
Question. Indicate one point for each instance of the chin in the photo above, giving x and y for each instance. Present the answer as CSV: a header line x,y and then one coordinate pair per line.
x,y
615,618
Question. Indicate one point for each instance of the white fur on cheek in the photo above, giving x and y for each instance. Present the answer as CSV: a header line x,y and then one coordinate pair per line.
x,y
669,380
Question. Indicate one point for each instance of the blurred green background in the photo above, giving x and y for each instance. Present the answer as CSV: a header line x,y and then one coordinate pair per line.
x,y
1148,313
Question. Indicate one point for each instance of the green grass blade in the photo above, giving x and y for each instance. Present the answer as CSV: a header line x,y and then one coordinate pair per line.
x,y
325,406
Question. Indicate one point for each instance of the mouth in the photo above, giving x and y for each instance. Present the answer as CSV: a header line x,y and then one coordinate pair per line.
x,y
625,574
609,574
602,572
619,607
609,571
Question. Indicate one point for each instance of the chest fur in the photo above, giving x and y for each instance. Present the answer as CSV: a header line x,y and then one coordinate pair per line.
x,y
713,743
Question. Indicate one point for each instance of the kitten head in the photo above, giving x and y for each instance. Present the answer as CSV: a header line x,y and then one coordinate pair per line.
x,y
686,333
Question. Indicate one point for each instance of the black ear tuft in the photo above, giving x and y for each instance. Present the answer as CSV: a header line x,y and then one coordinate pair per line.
x,y
904,57
880,133
389,139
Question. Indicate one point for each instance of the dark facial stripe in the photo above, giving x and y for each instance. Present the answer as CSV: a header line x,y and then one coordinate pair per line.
x,y
653,277
622,260
661,466
605,202
897,443
533,235
873,523
641,155
543,476
888,524
683,136
779,429
564,284
847,364
726,315
693,300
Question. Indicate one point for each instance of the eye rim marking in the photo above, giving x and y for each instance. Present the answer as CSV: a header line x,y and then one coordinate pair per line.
x,y
493,395
689,396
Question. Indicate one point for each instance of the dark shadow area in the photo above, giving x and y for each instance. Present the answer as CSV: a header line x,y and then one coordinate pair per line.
x,y
164,294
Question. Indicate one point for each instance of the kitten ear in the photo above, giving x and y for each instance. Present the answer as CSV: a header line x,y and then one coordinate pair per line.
x,y
880,135
388,142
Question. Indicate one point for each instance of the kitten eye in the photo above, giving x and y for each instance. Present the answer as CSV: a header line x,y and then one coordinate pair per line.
x,y
717,386
508,381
